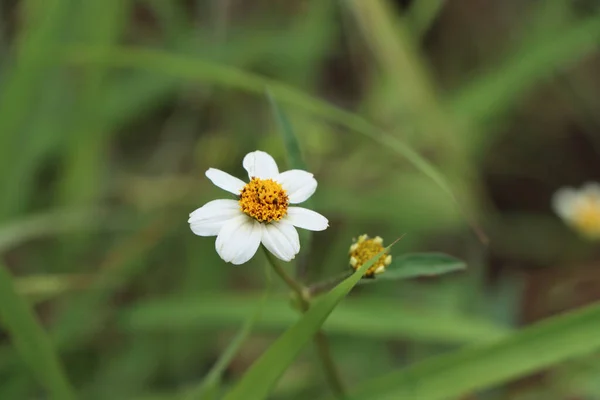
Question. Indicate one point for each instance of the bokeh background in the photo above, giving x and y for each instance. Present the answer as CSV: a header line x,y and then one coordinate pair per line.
x,y
111,111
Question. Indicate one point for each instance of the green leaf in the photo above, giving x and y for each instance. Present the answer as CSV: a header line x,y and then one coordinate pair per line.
x,y
422,14
262,376
479,367
495,91
419,264
22,83
55,222
290,140
38,288
99,24
209,387
31,340
193,69
354,317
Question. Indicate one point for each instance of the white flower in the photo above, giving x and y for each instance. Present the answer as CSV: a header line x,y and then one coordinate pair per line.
x,y
261,213
580,208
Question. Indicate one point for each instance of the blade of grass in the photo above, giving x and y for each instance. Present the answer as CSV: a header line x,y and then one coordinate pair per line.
x,y
189,68
494,92
422,14
478,367
31,340
101,23
415,91
351,318
53,222
209,386
40,138
36,51
262,376
42,287
399,58
290,140
173,20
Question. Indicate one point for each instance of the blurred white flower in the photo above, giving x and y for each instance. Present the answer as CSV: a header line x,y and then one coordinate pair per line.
x,y
580,209
261,213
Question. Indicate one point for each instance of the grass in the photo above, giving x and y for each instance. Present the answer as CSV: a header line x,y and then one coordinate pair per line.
x,y
432,121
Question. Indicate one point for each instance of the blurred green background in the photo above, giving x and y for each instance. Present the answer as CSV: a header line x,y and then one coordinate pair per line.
x,y
111,111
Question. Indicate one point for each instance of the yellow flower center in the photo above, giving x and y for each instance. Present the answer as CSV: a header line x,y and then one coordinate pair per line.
x,y
264,200
365,249
587,217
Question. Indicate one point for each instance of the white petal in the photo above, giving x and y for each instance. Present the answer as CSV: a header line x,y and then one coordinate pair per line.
x,y
260,165
306,219
210,218
298,184
225,181
564,202
238,240
281,239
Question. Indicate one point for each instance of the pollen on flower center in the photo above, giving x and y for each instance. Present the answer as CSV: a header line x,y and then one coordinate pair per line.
x,y
264,200
363,250
587,217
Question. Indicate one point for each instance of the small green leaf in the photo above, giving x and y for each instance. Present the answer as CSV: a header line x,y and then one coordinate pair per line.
x,y
419,265
30,340
262,376
290,140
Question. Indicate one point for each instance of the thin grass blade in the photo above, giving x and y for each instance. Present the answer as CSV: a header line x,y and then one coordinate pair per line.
x,y
419,265
31,340
479,367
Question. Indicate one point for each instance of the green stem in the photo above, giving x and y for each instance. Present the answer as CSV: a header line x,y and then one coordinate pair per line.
x,y
296,286
331,374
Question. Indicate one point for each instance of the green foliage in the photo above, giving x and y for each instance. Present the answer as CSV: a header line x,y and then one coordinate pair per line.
x,y
259,380
199,70
290,139
351,318
31,341
111,111
475,368
417,265
494,92
209,386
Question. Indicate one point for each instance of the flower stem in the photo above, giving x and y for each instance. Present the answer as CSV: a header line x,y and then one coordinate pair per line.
x,y
291,282
331,374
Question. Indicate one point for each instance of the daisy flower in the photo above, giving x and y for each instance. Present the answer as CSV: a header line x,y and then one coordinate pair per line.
x,y
580,208
262,212
366,248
